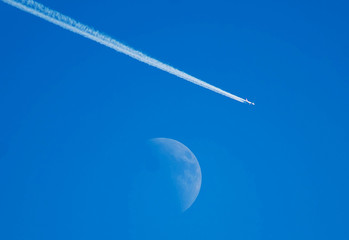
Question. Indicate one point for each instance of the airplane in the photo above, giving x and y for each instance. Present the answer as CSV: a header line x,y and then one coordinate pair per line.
x,y
251,103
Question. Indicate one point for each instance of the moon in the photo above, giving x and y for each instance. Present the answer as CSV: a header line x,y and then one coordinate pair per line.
x,y
182,167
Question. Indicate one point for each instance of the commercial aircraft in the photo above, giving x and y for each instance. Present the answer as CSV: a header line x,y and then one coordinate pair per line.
x,y
251,103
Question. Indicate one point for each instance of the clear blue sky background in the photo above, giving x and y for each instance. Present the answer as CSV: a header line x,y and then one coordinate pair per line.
x,y
74,117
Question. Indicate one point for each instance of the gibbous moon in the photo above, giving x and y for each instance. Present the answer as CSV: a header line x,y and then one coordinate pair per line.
x,y
182,167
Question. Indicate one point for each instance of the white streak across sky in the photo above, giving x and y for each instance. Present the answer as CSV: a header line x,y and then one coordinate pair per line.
x,y
68,23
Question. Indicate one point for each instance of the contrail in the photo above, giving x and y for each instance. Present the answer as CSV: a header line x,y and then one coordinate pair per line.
x,y
68,23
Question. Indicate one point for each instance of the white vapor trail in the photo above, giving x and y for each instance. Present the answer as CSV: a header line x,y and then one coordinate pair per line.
x,y
68,23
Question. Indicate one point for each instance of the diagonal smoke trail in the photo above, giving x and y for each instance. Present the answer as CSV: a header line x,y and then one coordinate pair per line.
x,y
68,23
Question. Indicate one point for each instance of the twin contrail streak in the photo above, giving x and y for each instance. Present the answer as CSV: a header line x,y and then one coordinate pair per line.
x,y
68,23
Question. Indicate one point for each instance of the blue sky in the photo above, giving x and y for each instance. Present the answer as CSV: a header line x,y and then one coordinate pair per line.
x,y
75,117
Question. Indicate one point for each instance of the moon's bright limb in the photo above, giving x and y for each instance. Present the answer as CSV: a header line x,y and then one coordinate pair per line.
x,y
183,167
